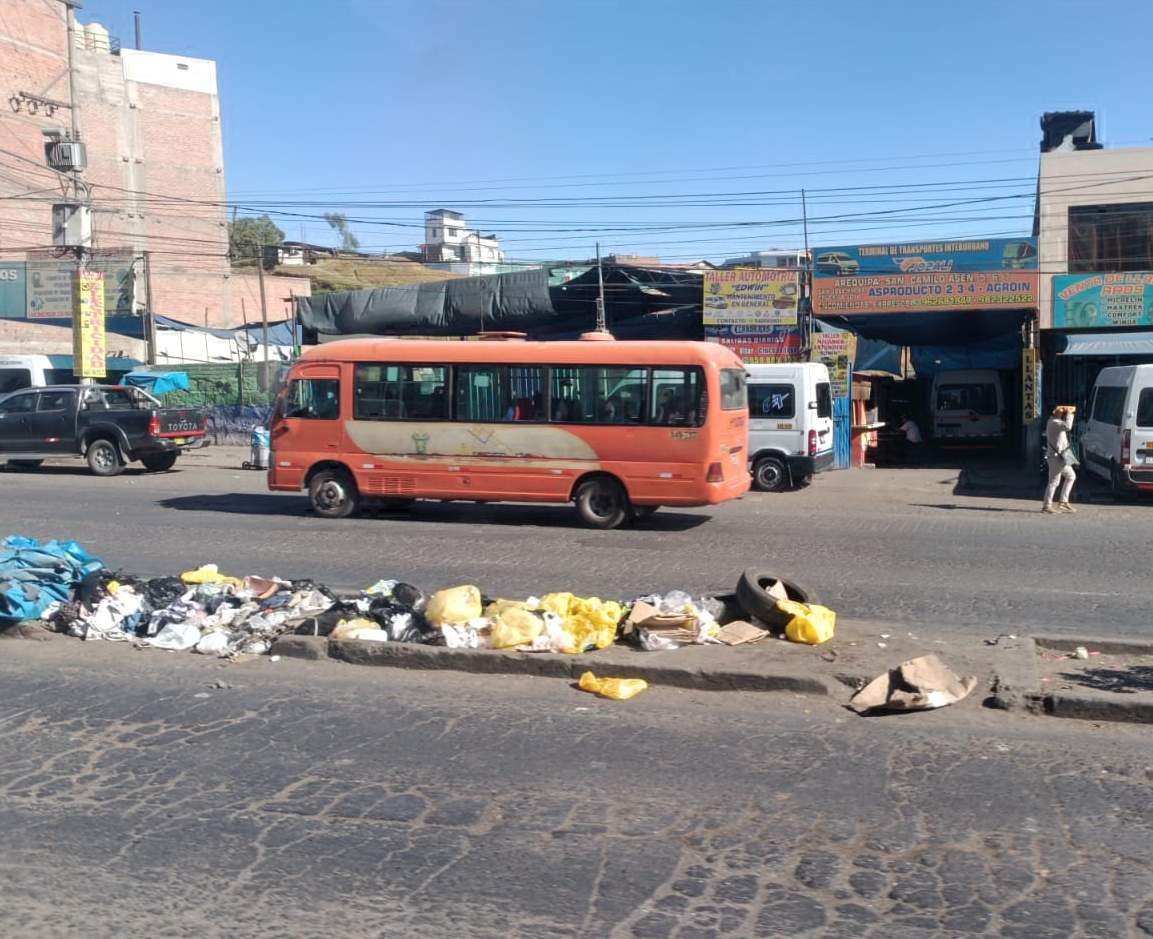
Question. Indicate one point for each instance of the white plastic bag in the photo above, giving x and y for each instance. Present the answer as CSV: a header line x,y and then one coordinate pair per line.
x,y
175,636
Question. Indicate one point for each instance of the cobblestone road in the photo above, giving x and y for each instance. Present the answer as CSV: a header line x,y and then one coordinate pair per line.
x,y
138,797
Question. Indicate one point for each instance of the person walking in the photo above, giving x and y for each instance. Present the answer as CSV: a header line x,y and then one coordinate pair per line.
x,y
1061,459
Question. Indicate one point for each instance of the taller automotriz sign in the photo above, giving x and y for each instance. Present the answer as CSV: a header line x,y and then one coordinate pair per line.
x,y
998,273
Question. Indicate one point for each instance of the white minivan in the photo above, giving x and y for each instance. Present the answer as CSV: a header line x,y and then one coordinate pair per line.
x,y
968,405
36,371
1117,434
790,423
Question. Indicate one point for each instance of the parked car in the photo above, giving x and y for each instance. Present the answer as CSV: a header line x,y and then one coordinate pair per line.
x,y
790,423
968,405
108,425
1117,435
837,263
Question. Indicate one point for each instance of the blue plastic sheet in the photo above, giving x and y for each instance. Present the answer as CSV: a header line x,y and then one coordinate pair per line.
x,y
157,383
33,576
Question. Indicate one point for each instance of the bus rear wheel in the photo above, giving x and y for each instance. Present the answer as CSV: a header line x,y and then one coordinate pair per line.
x,y
333,493
602,503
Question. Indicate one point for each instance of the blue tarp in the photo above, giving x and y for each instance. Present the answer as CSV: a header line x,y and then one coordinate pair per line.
x,y
33,576
157,383
998,352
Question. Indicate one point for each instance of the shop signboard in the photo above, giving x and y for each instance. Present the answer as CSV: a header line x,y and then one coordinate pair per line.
x,y
983,274
756,345
51,281
89,345
13,300
1030,383
836,351
1096,301
751,297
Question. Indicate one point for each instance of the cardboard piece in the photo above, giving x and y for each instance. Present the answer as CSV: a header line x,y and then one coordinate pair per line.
x,y
919,684
739,633
777,591
650,618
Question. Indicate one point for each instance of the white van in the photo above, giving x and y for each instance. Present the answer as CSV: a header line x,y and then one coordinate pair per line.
x,y
968,405
790,423
37,371
1117,433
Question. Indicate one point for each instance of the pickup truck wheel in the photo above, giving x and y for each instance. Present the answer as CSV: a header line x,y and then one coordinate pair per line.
x,y
104,458
333,494
24,464
159,463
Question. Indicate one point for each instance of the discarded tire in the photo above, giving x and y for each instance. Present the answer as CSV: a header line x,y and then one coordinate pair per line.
x,y
753,596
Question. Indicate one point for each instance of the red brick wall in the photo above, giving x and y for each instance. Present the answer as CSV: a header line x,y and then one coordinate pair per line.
x,y
141,138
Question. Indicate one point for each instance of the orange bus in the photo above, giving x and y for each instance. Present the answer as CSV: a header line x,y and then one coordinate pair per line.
x,y
618,428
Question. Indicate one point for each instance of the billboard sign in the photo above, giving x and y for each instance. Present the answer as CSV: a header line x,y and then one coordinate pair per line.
x,y
51,281
836,351
1096,301
758,346
89,344
13,287
983,274
751,297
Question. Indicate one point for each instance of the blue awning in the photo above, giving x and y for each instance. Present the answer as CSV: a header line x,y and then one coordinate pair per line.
x,y
1108,344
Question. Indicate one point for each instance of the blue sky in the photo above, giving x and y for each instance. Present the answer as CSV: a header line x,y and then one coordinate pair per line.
x,y
668,127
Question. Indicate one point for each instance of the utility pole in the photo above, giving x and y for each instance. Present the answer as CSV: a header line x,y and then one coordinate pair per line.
x,y
263,306
136,17
150,310
602,324
807,326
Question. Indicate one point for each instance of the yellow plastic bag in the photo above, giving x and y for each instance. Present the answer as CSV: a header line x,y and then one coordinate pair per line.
x,y
454,607
513,626
591,621
811,625
619,689
209,574
352,628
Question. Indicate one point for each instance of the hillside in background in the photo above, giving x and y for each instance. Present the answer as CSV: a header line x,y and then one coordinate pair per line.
x,y
332,274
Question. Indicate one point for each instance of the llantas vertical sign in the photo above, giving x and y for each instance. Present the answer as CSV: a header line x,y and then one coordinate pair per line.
x,y
89,344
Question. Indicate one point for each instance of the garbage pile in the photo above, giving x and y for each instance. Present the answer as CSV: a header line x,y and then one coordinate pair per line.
x,y
218,614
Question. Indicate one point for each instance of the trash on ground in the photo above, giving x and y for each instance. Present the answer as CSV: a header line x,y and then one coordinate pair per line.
x,y
34,576
619,689
454,607
919,684
811,624
740,632
1080,653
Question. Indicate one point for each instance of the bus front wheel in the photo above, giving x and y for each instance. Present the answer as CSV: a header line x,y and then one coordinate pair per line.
x,y
333,493
602,503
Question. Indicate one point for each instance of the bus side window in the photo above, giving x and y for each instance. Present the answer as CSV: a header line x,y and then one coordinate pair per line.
x,y
677,397
313,399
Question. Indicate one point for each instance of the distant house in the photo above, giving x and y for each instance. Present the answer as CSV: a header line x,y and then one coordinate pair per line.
x,y
643,260
295,254
450,246
772,258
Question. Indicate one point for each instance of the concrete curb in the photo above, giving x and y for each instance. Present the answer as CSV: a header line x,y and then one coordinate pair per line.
x,y
1017,680
548,665
1019,685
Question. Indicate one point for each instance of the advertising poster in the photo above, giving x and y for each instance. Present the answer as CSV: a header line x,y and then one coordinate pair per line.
x,y
1095,301
836,351
50,289
13,298
757,346
983,274
753,297
89,346
1030,385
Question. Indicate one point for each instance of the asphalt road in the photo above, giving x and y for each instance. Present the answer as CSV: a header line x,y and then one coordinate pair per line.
x,y
888,545
160,794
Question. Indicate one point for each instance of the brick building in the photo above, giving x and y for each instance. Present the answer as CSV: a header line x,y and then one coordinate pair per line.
x,y
151,124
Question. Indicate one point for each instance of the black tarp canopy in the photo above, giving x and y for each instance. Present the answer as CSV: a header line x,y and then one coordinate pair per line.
x,y
545,303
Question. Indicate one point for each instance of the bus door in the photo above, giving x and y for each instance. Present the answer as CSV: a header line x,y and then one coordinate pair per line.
x,y
306,426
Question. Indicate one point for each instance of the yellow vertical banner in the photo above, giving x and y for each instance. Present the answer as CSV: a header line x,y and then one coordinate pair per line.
x,y
1030,397
89,345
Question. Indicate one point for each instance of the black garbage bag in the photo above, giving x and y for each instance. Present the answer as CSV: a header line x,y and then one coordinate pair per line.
x,y
160,592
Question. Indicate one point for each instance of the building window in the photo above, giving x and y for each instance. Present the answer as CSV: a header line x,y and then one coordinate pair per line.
x,y
452,232
1111,237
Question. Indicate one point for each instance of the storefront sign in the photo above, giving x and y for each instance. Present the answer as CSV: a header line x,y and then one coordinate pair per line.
x,y
1030,385
89,347
836,351
895,278
13,290
752,297
1095,301
758,346
51,287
